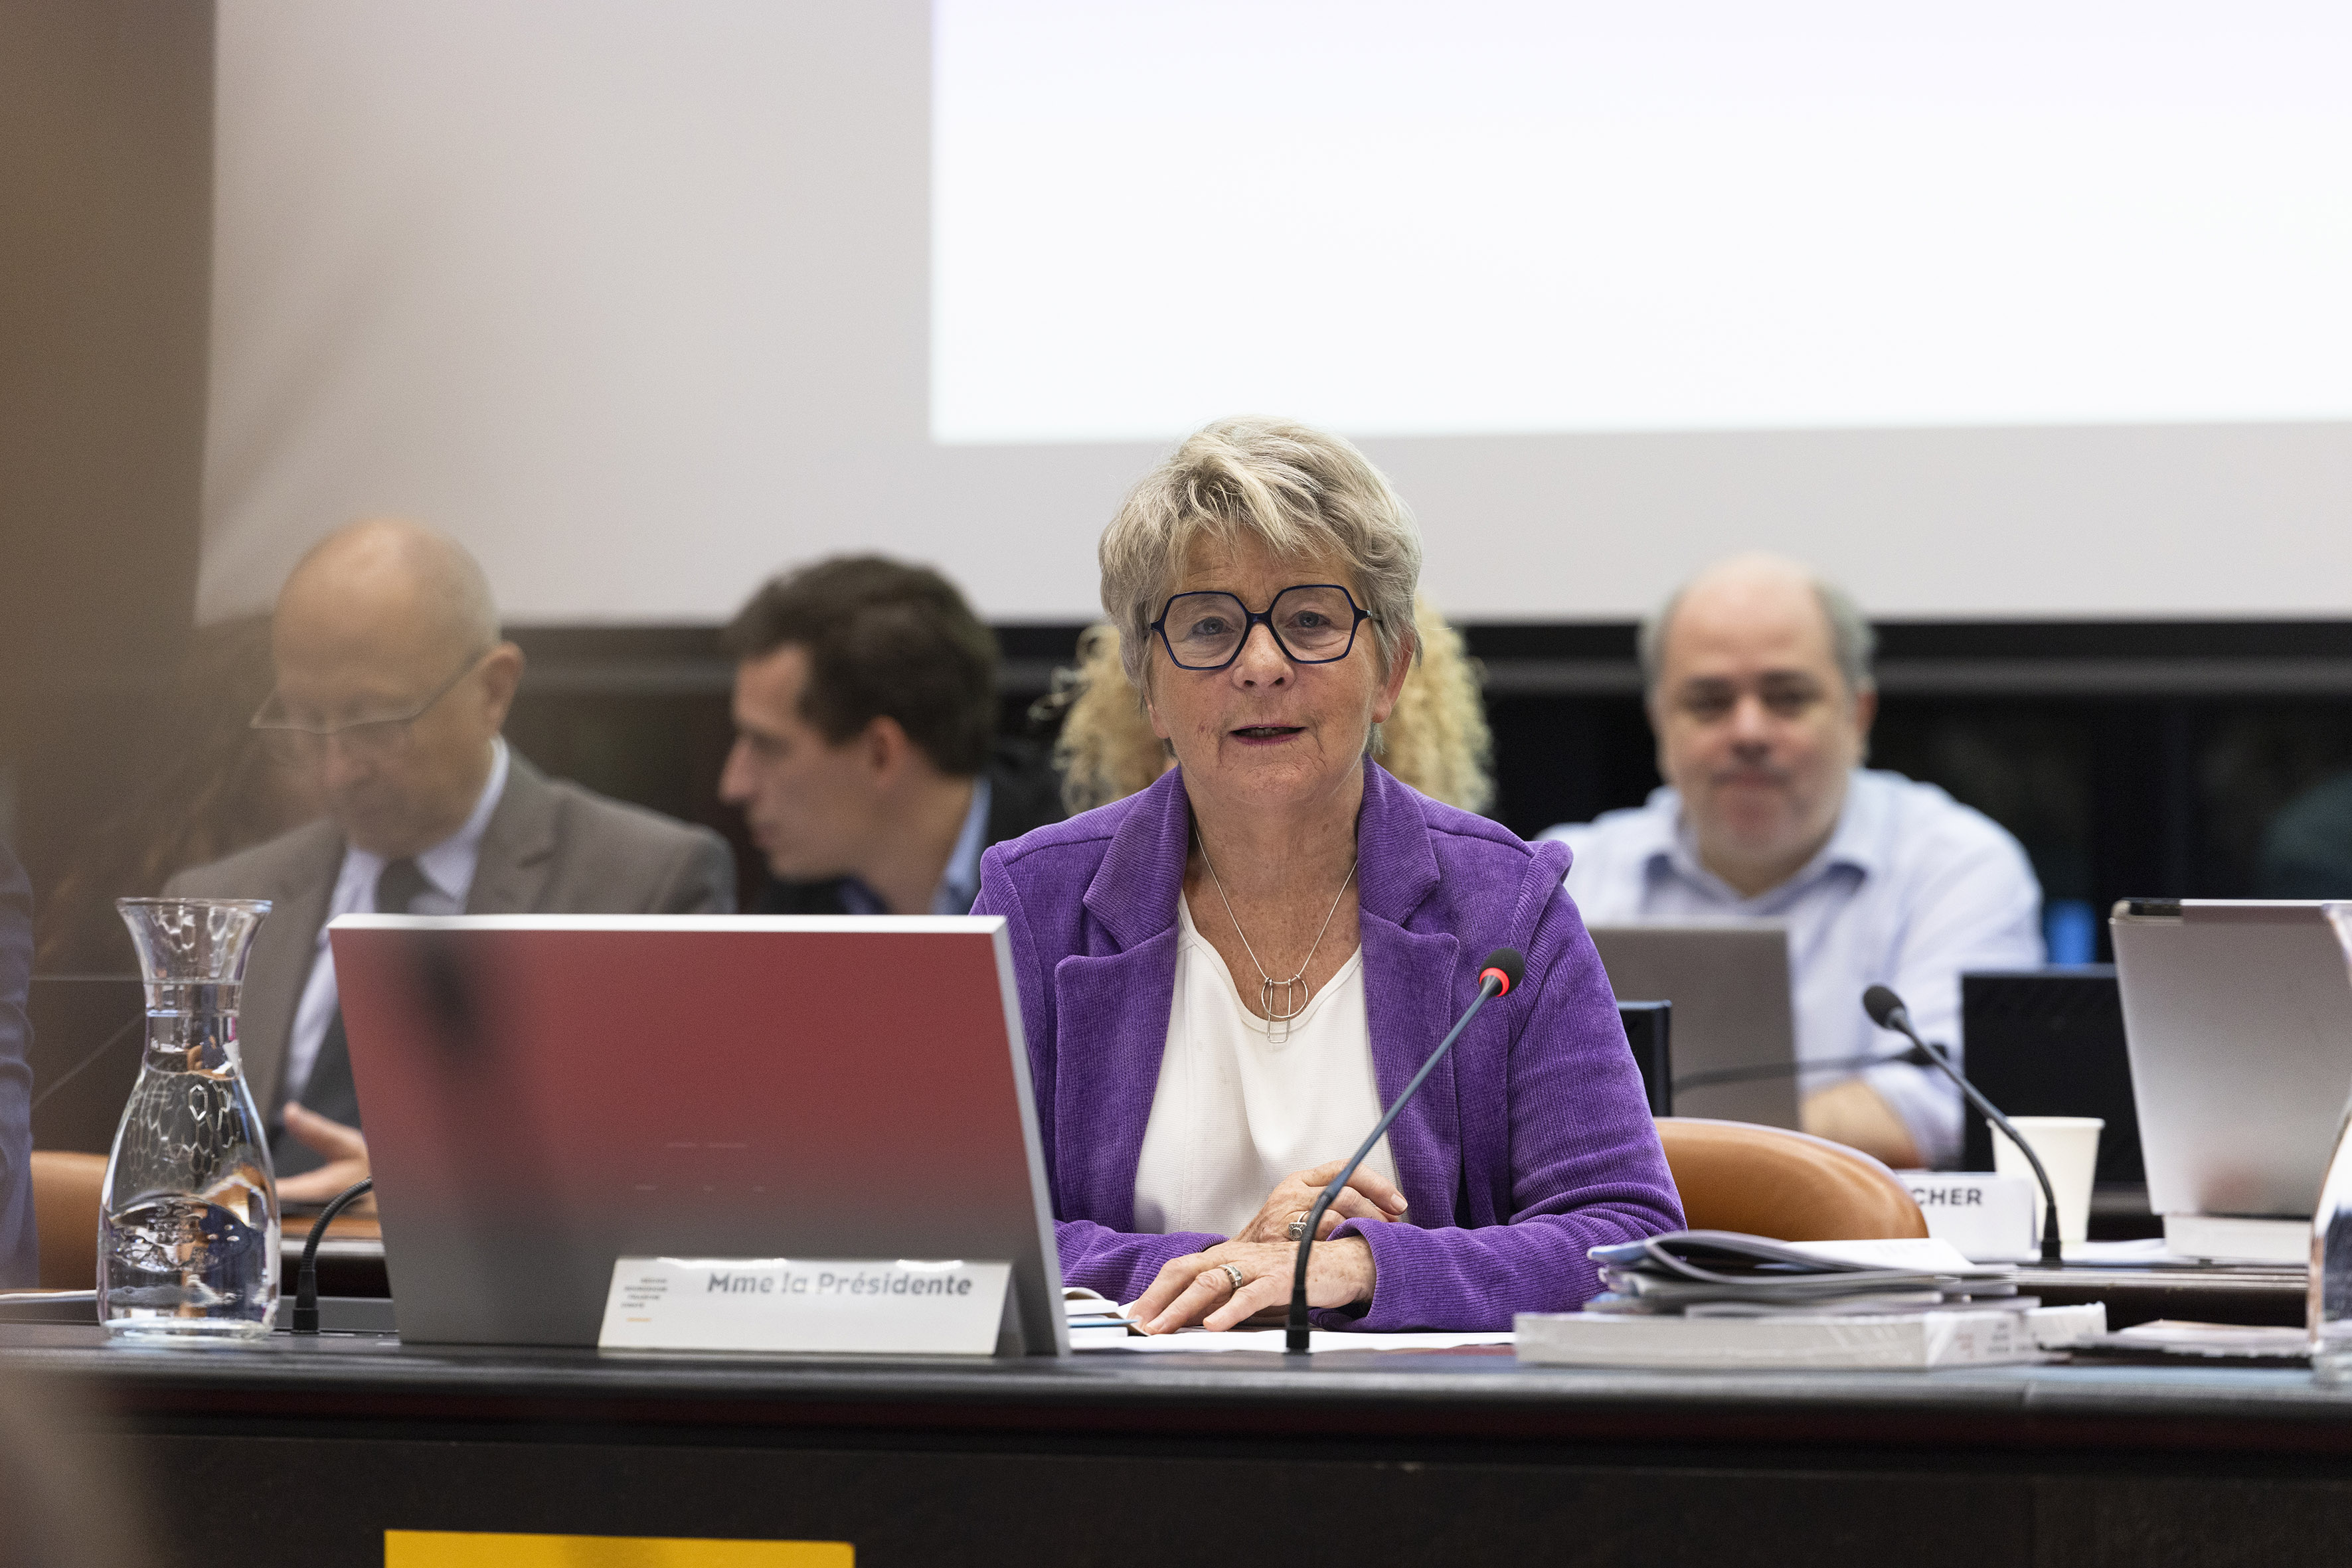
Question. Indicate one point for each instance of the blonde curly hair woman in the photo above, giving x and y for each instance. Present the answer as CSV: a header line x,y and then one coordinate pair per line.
x,y
1265,936
1437,740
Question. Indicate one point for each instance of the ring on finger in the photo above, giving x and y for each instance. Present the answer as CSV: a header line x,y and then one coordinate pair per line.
x,y
1297,1230
1234,1274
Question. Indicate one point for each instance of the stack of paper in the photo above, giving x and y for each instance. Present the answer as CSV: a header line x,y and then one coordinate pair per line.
x,y
1719,1299
1095,1319
1902,1341
1722,1273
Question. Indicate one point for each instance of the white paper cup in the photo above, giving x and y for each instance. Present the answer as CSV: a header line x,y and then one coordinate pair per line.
x,y
2069,1148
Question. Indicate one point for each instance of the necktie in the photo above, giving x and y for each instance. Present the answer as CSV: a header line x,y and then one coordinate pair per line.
x,y
329,1090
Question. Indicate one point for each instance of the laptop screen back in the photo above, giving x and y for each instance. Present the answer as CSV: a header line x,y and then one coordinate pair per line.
x,y
543,1095
1728,982
2238,1019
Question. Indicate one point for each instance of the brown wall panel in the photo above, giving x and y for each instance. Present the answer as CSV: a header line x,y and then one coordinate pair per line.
x,y
105,241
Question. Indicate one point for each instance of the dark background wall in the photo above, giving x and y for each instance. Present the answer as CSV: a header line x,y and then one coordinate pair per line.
x,y
2129,758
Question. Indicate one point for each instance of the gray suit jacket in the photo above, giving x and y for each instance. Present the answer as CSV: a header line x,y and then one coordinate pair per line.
x,y
551,848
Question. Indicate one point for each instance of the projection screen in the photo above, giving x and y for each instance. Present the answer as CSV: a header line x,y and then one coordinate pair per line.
x,y
1998,311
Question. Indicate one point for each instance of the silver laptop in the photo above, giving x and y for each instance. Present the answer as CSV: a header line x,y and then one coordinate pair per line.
x,y
545,1094
1728,982
2238,1019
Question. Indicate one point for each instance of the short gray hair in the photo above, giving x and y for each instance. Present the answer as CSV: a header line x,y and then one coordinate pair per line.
x,y
1297,491
1854,644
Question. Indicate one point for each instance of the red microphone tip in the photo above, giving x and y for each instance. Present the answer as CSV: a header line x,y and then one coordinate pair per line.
x,y
1504,965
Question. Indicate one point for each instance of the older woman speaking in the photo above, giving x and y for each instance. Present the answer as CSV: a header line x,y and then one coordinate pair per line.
x,y
1225,978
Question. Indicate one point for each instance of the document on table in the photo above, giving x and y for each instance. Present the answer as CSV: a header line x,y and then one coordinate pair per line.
x,y
2215,1341
1187,1339
1094,1320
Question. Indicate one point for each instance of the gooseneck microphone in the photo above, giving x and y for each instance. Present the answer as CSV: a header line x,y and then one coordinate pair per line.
x,y
1887,1011
1501,970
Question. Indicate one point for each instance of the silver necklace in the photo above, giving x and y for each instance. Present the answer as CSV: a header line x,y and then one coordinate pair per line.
x,y
1295,992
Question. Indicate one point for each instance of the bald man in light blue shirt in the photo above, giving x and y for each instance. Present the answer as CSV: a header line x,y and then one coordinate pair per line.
x,y
1762,698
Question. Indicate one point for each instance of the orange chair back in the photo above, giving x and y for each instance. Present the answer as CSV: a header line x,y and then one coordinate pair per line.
x,y
68,1189
1791,1187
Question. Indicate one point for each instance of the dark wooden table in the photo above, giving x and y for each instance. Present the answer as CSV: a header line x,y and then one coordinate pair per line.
x,y
2275,1296
1360,1460
350,1263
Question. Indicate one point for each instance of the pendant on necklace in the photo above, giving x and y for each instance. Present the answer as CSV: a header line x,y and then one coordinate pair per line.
x,y
1277,1017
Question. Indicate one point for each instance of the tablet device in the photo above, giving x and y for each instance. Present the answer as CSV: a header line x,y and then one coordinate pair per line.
x,y
2237,1023
545,1094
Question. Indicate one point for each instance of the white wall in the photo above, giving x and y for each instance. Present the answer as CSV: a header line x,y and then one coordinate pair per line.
x,y
640,301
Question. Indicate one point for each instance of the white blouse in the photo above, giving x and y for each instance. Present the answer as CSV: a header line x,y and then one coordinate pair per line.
x,y
1236,1111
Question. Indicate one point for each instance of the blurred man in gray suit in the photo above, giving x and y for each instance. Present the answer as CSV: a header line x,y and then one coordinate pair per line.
x,y
20,1258
393,684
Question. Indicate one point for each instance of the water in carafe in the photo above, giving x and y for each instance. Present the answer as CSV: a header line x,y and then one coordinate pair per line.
x,y
2327,1311
187,1240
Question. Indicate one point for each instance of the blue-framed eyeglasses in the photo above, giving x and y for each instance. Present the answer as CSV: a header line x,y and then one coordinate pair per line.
x,y
1311,623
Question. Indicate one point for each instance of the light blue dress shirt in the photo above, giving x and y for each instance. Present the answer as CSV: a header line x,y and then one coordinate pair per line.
x,y
959,884
1912,889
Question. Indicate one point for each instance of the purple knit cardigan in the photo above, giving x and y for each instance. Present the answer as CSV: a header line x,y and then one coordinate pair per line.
x,y
1529,1143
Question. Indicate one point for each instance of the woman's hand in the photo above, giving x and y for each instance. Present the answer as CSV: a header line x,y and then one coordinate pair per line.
x,y
1196,1287
1366,1196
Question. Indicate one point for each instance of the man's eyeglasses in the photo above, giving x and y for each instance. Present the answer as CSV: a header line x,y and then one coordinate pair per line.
x,y
376,739
1312,622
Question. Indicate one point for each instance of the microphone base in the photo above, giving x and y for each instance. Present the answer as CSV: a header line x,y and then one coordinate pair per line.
x,y
2054,1244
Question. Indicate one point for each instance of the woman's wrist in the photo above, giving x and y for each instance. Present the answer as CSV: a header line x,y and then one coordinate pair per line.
x,y
1362,1269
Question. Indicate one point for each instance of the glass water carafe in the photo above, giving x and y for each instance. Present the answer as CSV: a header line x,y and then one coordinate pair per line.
x,y
2329,1309
2329,1312
187,1238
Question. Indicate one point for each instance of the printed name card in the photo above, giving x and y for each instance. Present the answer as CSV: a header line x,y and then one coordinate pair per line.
x,y
1991,1219
796,1305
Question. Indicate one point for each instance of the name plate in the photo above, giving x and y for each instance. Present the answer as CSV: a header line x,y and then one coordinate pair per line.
x,y
793,1305
1990,1218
